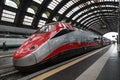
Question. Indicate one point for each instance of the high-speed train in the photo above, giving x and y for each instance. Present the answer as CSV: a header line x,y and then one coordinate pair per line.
x,y
55,41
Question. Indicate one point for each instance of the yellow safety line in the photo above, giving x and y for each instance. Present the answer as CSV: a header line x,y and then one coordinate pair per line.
x,y
52,72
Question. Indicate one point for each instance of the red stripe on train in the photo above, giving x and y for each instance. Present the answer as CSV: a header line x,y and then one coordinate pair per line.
x,y
70,46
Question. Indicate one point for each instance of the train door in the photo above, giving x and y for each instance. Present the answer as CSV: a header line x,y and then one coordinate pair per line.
x,y
83,41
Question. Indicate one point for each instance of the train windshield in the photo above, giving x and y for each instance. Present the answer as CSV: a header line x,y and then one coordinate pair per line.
x,y
46,28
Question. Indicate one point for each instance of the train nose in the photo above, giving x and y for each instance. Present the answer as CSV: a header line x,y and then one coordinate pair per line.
x,y
25,61
20,53
34,47
24,51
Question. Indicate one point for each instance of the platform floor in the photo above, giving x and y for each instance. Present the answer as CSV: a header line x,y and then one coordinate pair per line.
x,y
7,52
102,64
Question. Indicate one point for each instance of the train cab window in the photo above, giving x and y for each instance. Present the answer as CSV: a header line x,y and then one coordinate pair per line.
x,y
62,32
45,28
96,39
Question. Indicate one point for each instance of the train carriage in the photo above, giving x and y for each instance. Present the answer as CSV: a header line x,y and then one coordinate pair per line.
x,y
54,42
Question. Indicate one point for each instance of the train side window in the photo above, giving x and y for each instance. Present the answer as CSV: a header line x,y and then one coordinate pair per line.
x,y
62,32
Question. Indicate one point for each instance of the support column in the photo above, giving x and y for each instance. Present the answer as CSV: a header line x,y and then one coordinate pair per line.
x,y
1,7
119,28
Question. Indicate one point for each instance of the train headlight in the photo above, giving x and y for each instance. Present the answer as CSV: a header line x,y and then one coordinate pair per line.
x,y
33,47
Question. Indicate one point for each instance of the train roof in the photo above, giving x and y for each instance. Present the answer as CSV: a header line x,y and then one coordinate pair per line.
x,y
55,26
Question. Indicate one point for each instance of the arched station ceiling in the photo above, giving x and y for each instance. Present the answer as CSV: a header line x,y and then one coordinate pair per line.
x,y
100,16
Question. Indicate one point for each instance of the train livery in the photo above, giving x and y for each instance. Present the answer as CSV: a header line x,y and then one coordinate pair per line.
x,y
55,41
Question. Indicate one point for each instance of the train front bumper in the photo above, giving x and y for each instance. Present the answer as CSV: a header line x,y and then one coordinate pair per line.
x,y
27,60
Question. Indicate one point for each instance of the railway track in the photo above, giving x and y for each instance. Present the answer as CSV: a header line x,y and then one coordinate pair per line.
x,y
7,70
10,73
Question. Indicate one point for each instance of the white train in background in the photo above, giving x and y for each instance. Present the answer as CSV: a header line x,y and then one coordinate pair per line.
x,y
11,41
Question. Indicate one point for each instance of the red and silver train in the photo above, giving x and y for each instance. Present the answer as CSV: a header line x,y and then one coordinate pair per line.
x,y
55,41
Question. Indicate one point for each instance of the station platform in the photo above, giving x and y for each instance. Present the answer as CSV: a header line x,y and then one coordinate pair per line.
x,y
101,64
7,52
6,58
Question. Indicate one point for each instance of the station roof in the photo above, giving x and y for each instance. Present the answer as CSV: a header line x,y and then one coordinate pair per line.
x,y
100,16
